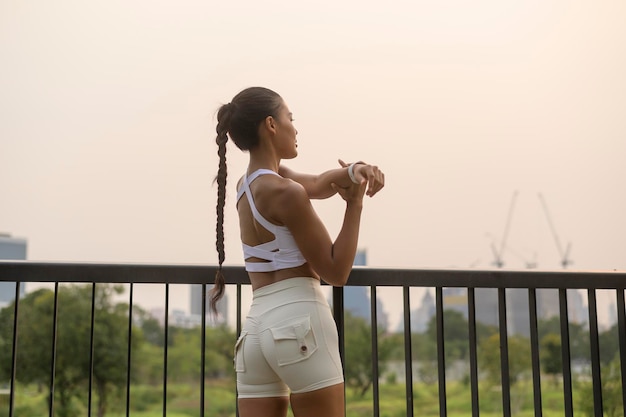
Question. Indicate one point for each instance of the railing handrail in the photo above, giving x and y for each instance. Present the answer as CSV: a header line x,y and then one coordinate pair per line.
x,y
30,271
472,280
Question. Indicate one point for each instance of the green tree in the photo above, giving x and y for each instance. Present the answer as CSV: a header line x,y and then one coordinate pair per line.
x,y
185,353
455,334
72,366
611,391
609,344
578,336
358,369
518,358
550,354
219,351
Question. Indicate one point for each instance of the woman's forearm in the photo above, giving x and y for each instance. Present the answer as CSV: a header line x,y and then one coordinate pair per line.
x,y
319,186
345,245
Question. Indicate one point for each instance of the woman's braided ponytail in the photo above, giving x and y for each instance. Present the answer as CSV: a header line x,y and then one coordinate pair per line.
x,y
223,122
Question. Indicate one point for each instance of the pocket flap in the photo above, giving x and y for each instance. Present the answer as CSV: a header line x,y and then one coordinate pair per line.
x,y
296,329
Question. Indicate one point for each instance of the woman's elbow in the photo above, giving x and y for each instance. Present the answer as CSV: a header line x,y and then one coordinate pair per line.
x,y
337,280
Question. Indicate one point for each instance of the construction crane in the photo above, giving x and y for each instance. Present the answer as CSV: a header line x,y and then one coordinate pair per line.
x,y
528,263
564,254
498,252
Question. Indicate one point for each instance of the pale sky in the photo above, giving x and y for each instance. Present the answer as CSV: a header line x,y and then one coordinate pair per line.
x,y
107,149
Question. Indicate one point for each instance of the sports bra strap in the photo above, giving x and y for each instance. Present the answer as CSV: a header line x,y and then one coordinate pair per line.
x,y
245,189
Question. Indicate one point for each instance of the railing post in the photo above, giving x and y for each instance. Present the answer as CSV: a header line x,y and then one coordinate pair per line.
x,y
473,356
621,326
339,321
129,351
441,352
408,353
54,347
534,350
14,350
338,314
374,334
565,354
504,354
596,375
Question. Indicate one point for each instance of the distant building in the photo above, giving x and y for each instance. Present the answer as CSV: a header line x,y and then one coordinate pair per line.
x,y
612,316
11,248
195,298
357,299
421,316
548,305
487,311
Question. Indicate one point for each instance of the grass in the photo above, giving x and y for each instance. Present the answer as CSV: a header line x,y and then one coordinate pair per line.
x,y
184,401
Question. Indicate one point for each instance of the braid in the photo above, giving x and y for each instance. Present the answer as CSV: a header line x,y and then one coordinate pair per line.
x,y
218,289
238,120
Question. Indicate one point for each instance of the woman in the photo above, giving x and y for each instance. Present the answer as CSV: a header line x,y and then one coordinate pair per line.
x,y
287,350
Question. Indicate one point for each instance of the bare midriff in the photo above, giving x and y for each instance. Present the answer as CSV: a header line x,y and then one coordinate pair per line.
x,y
261,279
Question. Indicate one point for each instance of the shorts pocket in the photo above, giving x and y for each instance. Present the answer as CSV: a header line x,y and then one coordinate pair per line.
x,y
294,341
238,359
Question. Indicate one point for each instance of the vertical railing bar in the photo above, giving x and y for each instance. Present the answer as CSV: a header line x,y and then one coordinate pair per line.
x,y
238,330
504,353
239,313
534,350
14,349
473,354
565,354
54,346
91,347
166,347
408,354
596,375
338,314
374,333
202,349
621,326
128,353
441,352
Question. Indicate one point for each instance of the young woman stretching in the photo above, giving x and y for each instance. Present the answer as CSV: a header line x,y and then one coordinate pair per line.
x,y
287,350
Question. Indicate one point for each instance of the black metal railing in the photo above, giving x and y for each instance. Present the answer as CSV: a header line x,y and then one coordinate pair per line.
x,y
21,272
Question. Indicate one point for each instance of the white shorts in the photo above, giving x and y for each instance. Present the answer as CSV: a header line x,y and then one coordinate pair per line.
x,y
288,343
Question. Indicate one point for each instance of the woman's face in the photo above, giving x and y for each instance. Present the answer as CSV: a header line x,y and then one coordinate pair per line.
x,y
285,138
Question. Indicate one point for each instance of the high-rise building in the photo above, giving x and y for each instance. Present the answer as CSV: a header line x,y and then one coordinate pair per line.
x,y
517,307
487,310
421,316
15,249
357,300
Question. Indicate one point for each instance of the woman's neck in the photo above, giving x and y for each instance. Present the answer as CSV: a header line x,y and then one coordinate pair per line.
x,y
263,160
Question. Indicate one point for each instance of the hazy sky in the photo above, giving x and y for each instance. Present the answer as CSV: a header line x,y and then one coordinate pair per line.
x,y
107,149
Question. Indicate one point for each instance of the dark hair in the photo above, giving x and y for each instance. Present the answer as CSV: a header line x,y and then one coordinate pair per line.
x,y
240,119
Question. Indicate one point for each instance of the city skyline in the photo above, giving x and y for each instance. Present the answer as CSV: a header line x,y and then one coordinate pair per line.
x,y
107,122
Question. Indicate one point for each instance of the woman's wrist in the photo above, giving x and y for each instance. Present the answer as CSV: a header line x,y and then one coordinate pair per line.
x,y
351,171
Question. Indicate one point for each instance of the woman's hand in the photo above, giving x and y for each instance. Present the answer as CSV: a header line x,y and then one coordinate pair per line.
x,y
374,177
353,193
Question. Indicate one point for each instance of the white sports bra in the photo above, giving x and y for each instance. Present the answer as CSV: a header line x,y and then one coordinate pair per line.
x,y
280,253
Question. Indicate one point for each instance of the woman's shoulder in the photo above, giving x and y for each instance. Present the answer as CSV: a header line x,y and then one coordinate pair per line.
x,y
285,188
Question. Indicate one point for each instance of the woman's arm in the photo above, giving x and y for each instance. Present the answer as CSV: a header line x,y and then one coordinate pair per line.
x,y
331,260
320,186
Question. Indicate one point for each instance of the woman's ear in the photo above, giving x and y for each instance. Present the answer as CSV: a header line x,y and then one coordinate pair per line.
x,y
270,124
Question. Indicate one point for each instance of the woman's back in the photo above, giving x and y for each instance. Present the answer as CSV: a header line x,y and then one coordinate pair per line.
x,y
270,251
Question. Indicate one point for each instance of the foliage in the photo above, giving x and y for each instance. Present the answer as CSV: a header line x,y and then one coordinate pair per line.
x,y
611,392
609,345
71,363
358,369
550,354
489,356
578,336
